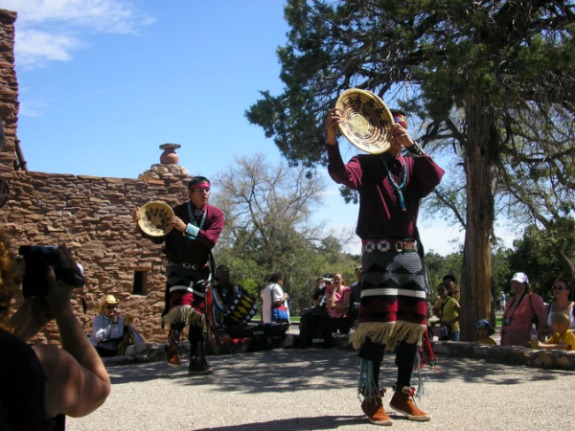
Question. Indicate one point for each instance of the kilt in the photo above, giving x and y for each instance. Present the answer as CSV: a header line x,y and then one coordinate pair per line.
x,y
185,295
393,300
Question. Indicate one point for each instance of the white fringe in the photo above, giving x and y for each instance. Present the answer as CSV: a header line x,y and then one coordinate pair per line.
x,y
388,334
185,314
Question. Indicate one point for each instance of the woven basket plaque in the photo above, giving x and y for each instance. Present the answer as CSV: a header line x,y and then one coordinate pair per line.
x,y
155,218
366,120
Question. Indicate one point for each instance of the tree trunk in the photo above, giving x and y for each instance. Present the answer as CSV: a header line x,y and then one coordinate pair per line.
x,y
480,153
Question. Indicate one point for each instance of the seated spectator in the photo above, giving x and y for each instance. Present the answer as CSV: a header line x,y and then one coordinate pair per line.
x,y
233,305
338,299
483,332
42,384
275,301
561,304
109,329
562,338
318,297
314,325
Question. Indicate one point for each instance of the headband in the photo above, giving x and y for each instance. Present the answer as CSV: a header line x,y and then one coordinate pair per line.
x,y
202,185
400,119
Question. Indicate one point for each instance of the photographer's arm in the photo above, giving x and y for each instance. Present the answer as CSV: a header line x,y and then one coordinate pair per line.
x,y
29,318
77,382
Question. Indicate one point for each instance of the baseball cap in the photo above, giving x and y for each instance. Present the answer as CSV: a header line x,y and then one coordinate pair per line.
x,y
521,277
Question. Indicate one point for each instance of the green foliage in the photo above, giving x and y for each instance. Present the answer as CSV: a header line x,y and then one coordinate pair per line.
x,y
493,81
267,210
537,255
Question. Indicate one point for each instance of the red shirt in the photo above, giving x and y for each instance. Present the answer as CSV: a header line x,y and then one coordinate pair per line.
x,y
380,213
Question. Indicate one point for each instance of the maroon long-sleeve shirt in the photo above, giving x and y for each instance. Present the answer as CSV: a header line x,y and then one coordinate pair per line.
x,y
380,214
180,249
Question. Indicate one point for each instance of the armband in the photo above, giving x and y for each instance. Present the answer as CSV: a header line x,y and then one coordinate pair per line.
x,y
191,231
416,149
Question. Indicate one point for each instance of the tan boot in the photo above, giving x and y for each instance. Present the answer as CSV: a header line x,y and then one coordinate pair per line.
x,y
402,402
173,347
373,409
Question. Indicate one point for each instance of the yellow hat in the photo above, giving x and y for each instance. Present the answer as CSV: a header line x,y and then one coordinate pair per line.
x,y
108,300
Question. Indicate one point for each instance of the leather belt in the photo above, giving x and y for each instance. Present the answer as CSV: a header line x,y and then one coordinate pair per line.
x,y
397,245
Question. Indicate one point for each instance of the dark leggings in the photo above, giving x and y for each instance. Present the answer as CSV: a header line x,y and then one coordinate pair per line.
x,y
405,355
340,324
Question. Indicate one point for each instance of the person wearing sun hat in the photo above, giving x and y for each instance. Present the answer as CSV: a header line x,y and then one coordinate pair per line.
x,y
108,328
393,308
521,312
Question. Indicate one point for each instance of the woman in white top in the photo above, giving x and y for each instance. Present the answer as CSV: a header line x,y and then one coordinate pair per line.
x,y
108,327
561,303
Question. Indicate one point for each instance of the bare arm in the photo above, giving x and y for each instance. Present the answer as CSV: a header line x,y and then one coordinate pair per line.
x,y
77,382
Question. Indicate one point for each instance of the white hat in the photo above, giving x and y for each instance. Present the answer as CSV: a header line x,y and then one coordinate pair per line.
x,y
521,277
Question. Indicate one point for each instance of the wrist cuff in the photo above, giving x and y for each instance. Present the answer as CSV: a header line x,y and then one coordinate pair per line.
x,y
416,149
191,231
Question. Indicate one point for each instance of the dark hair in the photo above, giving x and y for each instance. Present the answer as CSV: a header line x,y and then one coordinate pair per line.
x,y
198,180
276,276
449,277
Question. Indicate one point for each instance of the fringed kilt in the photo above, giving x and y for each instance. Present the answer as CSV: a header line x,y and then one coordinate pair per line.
x,y
185,296
393,300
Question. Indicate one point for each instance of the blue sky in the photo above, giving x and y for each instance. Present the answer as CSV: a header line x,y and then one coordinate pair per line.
x,y
103,83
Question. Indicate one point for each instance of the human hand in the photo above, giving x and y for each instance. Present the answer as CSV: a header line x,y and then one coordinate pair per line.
x,y
115,316
332,121
178,223
400,137
59,293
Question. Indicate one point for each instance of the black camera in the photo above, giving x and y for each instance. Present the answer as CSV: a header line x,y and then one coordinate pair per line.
x,y
36,257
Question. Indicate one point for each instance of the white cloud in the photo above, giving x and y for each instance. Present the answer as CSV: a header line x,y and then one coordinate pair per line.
x,y
50,30
34,48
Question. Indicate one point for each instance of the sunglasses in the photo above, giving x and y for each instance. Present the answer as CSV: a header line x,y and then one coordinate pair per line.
x,y
560,288
110,307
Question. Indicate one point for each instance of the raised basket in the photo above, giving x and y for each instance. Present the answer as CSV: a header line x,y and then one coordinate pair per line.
x,y
366,120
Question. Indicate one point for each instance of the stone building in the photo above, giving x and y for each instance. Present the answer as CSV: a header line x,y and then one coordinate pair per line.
x,y
91,215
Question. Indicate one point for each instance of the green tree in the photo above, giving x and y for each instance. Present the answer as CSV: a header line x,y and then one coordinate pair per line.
x,y
268,227
477,73
536,255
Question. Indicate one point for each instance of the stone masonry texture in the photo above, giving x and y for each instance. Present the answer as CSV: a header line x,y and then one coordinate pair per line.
x,y
91,215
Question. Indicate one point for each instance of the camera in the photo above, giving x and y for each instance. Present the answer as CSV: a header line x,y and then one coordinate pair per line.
x,y
506,322
36,257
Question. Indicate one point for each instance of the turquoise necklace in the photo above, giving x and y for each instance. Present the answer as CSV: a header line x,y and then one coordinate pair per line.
x,y
397,187
193,217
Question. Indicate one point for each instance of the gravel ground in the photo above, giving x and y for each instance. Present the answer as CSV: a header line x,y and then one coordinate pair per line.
x,y
313,389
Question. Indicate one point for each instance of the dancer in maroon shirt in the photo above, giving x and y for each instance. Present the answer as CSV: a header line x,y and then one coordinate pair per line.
x,y
392,314
197,228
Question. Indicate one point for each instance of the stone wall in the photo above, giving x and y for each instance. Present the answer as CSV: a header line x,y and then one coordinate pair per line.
x,y
91,215
8,89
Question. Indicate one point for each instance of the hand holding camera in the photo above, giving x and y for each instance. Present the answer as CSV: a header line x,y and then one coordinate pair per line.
x,y
38,259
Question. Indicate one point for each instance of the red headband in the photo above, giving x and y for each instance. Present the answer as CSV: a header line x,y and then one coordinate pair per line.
x,y
400,119
202,185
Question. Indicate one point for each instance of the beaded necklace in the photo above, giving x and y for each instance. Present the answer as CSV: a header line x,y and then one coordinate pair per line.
x,y
397,187
193,217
